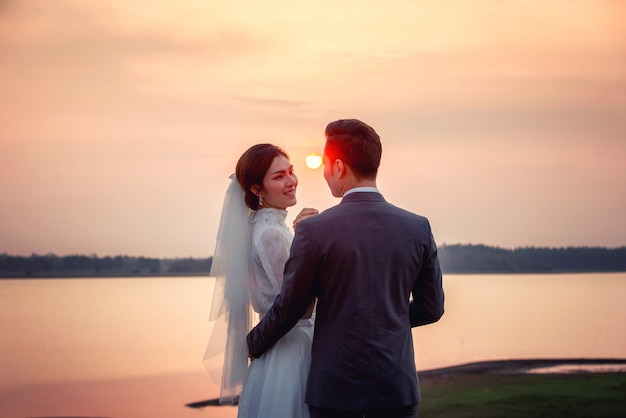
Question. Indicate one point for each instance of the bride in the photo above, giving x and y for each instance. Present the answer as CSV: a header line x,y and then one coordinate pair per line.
x,y
252,247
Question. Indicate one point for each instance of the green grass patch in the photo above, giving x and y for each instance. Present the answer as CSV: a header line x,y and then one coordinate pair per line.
x,y
525,395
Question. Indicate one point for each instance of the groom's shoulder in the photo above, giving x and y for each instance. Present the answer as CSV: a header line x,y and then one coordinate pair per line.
x,y
324,217
331,212
409,215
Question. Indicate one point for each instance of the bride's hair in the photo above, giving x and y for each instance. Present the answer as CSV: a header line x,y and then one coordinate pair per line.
x,y
251,169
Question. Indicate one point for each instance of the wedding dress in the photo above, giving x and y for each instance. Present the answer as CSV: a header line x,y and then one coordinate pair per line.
x,y
276,382
250,254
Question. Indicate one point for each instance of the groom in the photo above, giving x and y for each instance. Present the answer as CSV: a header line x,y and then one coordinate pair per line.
x,y
374,270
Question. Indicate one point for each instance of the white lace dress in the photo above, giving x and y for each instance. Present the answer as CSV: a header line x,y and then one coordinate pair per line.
x,y
277,381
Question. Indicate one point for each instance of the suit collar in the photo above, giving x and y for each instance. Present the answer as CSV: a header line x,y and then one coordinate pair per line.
x,y
362,189
363,197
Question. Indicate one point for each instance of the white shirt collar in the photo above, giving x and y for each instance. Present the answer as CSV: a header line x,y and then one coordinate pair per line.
x,y
362,189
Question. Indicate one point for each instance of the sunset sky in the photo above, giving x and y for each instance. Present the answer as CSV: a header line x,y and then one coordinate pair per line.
x,y
503,122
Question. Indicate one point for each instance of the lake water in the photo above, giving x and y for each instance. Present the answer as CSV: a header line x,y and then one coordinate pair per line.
x,y
133,347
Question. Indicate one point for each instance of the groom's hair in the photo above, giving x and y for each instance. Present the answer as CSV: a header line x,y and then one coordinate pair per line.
x,y
251,169
356,144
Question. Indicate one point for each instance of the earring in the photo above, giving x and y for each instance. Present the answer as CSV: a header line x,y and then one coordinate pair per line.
x,y
260,200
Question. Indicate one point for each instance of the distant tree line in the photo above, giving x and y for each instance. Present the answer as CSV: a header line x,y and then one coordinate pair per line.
x,y
457,258
51,265
469,259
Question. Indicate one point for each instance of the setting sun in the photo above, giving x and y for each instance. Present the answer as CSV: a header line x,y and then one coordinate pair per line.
x,y
313,161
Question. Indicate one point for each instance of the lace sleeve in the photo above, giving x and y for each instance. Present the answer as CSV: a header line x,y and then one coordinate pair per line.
x,y
271,249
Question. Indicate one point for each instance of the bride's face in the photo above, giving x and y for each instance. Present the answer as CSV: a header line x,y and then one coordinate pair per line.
x,y
279,185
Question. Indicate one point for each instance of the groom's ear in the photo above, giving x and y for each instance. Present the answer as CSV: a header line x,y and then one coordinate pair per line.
x,y
339,167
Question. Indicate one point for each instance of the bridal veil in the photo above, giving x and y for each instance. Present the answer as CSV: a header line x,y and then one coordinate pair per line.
x,y
231,309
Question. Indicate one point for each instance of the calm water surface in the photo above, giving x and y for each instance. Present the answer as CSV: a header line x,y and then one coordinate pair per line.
x,y
57,332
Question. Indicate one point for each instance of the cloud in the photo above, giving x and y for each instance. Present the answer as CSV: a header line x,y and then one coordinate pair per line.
x,y
477,102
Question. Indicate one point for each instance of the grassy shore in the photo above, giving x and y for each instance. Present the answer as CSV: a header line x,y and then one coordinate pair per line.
x,y
474,394
506,389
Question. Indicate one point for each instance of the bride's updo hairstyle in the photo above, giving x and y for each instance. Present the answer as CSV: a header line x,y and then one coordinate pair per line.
x,y
251,169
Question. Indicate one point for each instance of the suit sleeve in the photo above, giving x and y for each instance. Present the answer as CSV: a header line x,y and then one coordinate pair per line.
x,y
294,298
428,297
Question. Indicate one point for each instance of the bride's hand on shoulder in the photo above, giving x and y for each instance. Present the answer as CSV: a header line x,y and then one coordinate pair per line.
x,y
304,213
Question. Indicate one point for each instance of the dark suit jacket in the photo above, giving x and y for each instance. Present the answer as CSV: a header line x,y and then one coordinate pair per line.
x,y
364,259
